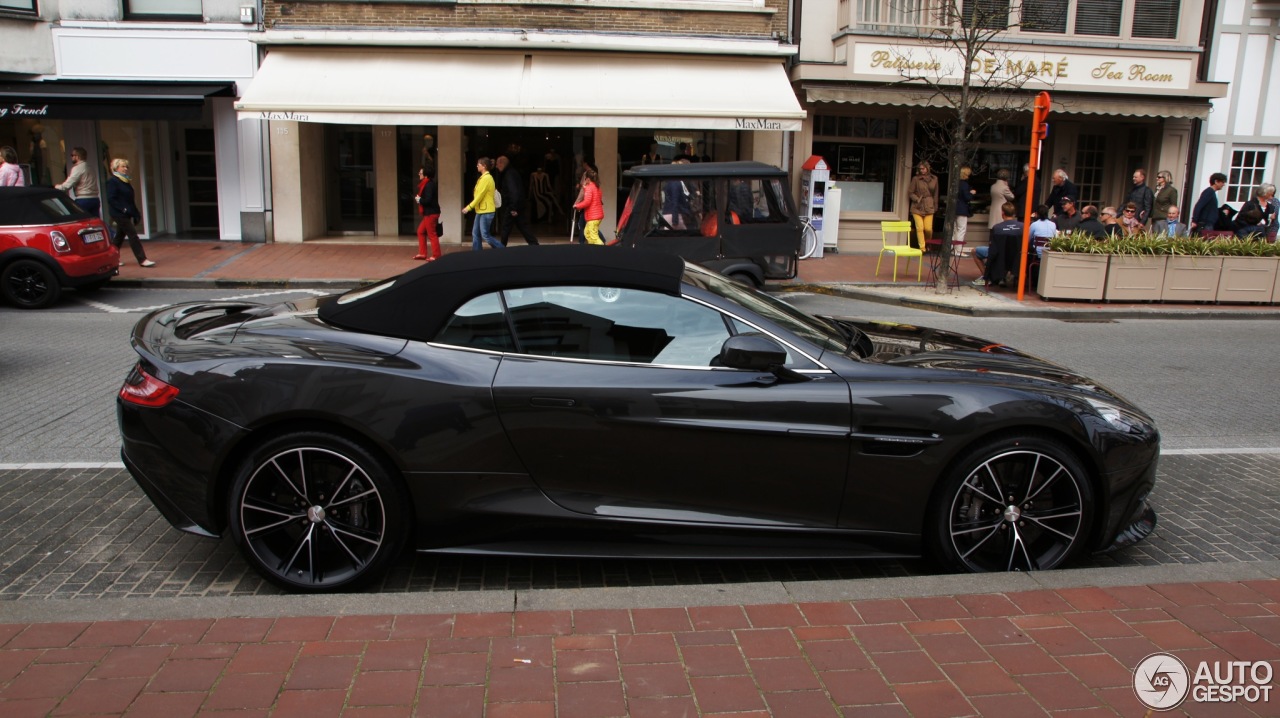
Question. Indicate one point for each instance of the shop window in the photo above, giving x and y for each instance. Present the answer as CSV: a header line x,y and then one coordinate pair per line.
x,y
1045,16
26,7
1248,168
865,171
1156,18
986,14
881,128
163,10
1091,155
1099,17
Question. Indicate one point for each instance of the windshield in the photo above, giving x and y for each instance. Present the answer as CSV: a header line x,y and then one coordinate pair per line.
x,y
818,331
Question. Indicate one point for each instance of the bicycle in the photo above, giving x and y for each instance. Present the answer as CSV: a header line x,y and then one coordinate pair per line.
x,y
808,238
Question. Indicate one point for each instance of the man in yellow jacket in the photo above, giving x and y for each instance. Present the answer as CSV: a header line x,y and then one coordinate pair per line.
x,y
484,206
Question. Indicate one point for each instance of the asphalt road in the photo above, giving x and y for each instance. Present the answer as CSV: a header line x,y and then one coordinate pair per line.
x,y
1210,384
88,532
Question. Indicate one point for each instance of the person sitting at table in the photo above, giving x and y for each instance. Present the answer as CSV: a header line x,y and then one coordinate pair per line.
x,y
1172,223
1111,222
1091,225
997,260
1042,228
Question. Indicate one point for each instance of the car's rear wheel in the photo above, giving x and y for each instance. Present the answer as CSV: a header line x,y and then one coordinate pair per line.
x,y
29,284
315,512
1014,504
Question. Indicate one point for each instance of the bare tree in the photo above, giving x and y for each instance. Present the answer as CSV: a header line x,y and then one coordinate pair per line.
x,y
956,56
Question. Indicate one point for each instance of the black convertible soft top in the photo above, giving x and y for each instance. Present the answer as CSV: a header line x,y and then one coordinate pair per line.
x,y
420,301
37,205
704,169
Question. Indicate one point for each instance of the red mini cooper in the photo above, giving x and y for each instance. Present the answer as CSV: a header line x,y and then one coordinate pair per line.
x,y
47,242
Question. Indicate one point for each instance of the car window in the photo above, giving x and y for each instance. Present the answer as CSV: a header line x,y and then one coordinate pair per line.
x,y
683,207
58,207
610,324
478,324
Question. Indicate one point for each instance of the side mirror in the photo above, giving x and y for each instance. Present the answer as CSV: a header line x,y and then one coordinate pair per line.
x,y
752,351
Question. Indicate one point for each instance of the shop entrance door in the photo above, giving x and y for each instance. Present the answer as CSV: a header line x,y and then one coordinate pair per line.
x,y
350,183
197,182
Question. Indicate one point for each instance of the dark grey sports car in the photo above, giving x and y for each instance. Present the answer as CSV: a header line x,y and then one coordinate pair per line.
x,y
570,400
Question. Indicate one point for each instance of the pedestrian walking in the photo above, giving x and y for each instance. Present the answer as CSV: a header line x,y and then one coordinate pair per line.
x,y
10,171
512,209
83,182
1207,215
592,206
124,211
923,193
429,207
482,202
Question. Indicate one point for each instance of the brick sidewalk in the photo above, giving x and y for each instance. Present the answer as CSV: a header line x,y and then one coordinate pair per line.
x,y
1060,652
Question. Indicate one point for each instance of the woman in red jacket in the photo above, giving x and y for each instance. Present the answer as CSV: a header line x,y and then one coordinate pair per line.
x,y
592,203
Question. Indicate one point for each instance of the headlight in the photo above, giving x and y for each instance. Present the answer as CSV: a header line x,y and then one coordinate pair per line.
x,y
1125,420
60,242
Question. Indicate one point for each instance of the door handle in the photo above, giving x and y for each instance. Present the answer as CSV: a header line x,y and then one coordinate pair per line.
x,y
553,401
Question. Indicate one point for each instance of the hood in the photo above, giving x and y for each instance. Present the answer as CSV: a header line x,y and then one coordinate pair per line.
x,y
906,345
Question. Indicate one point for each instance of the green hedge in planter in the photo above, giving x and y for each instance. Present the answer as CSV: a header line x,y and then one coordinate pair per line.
x,y
1158,244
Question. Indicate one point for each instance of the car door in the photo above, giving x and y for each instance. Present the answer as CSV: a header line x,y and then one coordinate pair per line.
x,y
614,406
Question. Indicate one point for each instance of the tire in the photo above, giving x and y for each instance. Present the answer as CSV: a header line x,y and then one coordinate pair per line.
x,y
316,513
1014,504
808,241
745,278
29,284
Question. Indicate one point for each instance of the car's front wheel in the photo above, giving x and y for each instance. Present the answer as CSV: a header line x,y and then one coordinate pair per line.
x,y
1014,504
315,512
29,284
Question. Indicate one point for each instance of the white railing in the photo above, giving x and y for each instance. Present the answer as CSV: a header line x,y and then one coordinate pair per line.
x,y
900,15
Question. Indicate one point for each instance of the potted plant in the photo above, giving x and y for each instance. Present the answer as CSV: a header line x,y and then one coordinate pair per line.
x,y
1191,271
1074,266
1136,272
1249,269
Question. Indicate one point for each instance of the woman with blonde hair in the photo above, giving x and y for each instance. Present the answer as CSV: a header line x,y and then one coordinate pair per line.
x,y
1166,196
923,193
124,210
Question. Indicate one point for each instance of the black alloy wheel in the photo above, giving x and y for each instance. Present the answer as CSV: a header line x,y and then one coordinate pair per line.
x,y
29,284
314,512
1017,504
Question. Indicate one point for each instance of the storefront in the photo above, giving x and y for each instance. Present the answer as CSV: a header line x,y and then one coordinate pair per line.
x,y
145,123
345,162
1113,112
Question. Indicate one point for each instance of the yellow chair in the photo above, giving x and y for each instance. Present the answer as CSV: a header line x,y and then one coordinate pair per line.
x,y
899,250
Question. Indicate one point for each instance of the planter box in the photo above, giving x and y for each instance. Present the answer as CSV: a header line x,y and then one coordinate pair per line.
x,y
1067,275
1248,279
1191,279
1135,278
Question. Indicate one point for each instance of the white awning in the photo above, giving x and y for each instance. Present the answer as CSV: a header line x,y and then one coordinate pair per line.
x,y
1063,103
392,86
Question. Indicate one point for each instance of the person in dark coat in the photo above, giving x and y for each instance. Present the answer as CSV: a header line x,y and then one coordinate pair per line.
x,y
1205,215
511,185
1062,187
429,207
124,211
1141,196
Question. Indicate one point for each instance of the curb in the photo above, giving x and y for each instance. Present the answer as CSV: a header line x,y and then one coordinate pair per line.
x,y
1091,313
180,283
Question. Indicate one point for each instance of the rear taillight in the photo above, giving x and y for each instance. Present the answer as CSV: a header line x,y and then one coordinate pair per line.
x,y
145,390
60,242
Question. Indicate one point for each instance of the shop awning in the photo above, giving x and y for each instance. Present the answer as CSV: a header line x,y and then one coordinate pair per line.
x,y
1063,103
544,89
82,100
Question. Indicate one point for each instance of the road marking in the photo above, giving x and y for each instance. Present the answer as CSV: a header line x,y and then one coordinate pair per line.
x,y
113,309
